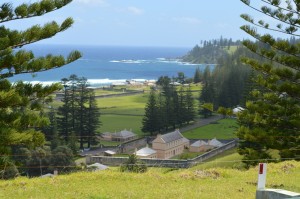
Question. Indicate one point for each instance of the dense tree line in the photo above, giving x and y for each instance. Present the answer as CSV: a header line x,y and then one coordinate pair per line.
x,y
78,117
225,84
168,107
208,52
22,112
43,160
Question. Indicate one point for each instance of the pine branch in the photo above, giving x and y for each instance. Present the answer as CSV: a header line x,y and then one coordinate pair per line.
x,y
25,11
286,9
15,39
259,38
272,16
25,63
295,67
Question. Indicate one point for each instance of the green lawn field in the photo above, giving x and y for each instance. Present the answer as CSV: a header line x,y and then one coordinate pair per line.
x,y
223,129
130,105
115,123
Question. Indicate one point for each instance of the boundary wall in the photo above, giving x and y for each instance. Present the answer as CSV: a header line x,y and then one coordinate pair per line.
x,y
172,163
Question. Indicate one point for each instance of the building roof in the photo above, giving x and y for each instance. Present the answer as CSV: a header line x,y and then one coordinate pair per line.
x,y
237,110
106,134
185,140
170,137
145,152
110,152
124,134
199,143
97,166
214,142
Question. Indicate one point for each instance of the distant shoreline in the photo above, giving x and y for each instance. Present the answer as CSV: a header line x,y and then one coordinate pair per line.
x,y
101,82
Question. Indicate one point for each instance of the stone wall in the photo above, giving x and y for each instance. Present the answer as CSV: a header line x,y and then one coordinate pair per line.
x,y
213,153
117,161
132,145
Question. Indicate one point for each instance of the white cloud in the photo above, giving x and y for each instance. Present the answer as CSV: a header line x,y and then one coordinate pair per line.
x,y
93,2
187,20
135,10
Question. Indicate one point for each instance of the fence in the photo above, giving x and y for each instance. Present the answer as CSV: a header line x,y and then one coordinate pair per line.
x,y
117,161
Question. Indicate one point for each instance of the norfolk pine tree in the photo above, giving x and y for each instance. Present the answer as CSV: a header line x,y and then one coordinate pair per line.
x,y
151,118
271,120
21,104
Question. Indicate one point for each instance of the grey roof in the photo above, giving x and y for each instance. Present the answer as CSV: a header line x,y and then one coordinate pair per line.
x,y
237,109
169,137
199,143
110,152
145,151
185,140
124,134
214,142
98,166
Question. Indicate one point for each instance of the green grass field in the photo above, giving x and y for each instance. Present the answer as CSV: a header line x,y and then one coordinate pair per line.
x,y
155,183
132,105
224,129
115,123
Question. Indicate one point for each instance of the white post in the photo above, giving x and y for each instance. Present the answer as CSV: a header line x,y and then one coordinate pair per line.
x,y
262,176
55,172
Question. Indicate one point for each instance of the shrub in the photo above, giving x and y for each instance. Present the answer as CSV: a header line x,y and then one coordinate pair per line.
x,y
9,172
133,164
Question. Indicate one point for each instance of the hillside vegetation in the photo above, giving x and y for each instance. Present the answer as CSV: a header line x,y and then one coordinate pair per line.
x,y
156,183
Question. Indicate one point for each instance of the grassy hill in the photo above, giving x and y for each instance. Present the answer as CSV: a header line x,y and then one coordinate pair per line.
x,y
155,184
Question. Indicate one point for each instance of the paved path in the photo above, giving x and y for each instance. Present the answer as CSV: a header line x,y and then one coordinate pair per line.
x,y
201,122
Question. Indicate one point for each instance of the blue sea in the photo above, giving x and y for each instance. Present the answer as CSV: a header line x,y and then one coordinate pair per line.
x,y
103,65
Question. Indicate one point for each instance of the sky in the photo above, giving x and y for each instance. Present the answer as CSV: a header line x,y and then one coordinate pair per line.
x,y
169,23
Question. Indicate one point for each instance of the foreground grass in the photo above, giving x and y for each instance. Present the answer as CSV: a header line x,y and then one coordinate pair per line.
x,y
223,129
156,183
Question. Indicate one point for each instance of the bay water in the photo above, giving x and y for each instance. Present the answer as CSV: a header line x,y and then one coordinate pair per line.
x,y
104,65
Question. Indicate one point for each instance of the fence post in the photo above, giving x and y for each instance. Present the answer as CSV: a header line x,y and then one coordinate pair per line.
x,y
262,176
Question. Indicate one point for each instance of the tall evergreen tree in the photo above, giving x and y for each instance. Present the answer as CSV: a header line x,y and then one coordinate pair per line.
x,y
271,120
93,119
197,75
207,94
182,107
80,109
21,103
79,115
64,112
151,118
190,112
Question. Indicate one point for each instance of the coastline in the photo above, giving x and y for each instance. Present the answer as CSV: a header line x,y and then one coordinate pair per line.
x,y
103,82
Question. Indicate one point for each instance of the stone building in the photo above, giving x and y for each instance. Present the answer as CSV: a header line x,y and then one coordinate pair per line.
x,y
169,145
121,136
202,146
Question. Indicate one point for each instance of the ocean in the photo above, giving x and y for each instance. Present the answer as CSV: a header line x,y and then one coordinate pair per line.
x,y
103,65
